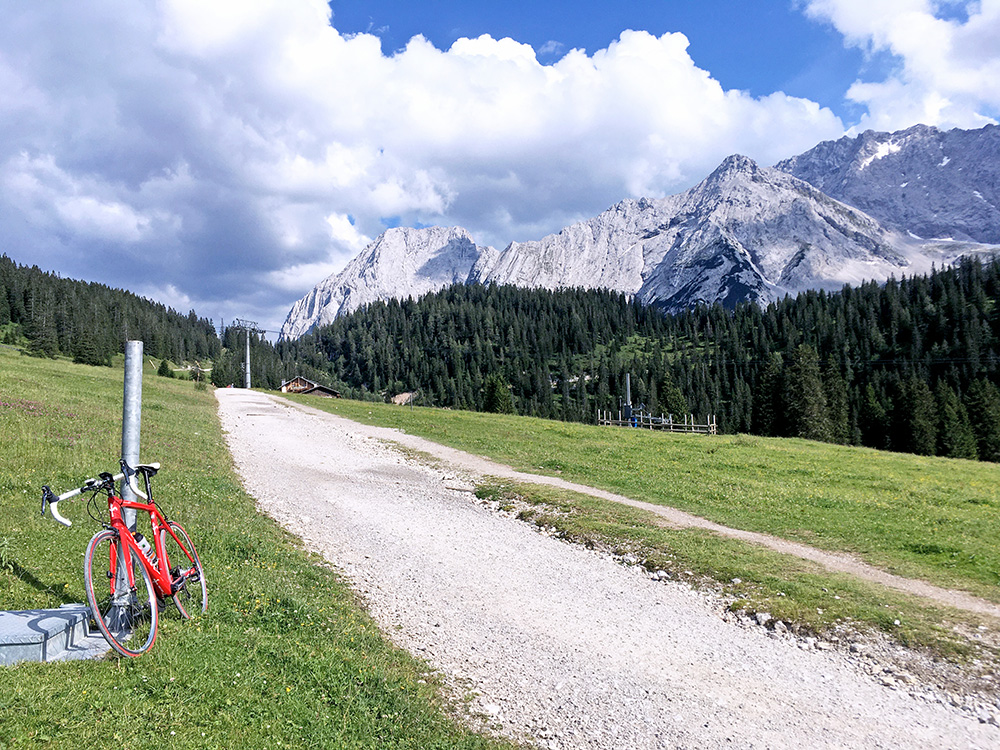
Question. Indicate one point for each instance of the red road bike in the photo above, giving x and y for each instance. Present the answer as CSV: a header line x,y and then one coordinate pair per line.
x,y
128,579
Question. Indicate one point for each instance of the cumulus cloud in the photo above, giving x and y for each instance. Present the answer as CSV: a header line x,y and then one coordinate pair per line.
x,y
231,154
947,56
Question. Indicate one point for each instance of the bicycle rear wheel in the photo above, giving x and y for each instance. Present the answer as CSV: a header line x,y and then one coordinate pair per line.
x,y
125,615
191,596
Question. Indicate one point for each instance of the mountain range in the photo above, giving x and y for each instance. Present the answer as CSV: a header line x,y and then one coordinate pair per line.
x,y
855,209
920,180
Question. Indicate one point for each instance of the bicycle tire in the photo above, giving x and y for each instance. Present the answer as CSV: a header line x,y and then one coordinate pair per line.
x,y
128,622
191,597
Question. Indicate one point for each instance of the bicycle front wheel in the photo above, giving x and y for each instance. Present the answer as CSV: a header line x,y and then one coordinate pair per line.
x,y
186,572
125,613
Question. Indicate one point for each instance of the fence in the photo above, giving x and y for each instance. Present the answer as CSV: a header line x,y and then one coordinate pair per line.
x,y
668,423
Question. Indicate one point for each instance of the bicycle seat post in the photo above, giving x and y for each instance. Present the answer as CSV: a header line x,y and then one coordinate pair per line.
x,y
128,514
146,475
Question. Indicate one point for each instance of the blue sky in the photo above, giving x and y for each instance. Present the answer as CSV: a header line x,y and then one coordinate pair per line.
x,y
762,46
228,156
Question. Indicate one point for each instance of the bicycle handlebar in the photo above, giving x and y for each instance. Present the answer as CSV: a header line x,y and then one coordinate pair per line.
x,y
50,498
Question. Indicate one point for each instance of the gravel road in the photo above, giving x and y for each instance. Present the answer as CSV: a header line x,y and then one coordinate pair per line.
x,y
561,646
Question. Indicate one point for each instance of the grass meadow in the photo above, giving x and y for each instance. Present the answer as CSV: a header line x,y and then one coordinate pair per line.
x,y
930,518
284,657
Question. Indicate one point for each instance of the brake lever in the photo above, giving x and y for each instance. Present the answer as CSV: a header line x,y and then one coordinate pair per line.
x,y
47,496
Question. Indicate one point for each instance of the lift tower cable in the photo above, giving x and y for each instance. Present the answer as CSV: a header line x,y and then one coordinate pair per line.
x,y
250,327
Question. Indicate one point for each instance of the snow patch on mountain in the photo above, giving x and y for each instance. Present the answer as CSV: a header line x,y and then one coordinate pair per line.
x,y
882,150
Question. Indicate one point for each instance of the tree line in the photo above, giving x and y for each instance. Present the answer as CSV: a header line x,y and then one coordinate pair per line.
x,y
910,365
91,322
560,353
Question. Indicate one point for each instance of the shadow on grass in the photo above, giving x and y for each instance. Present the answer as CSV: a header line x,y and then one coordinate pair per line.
x,y
29,578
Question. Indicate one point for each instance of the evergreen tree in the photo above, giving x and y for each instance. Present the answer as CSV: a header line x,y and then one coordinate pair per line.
x,y
914,418
873,418
41,324
225,371
43,341
91,321
955,436
807,408
567,351
983,405
567,410
86,351
671,399
836,404
768,403
496,397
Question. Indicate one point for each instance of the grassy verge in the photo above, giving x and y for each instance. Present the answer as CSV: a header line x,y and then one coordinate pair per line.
x,y
284,658
800,594
931,518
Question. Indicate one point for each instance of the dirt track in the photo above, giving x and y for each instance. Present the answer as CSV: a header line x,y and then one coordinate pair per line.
x,y
561,645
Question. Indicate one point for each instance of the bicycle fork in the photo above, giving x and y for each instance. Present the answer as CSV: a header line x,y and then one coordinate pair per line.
x,y
121,616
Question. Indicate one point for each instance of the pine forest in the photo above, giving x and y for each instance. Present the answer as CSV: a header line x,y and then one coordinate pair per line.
x,y
910,365
90,322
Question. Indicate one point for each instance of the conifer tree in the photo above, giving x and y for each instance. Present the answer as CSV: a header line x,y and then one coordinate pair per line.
x,y
736,364
87,351
873,418
914,418
807,409
955,436
671,399
497,398
836,404
768,399
983,405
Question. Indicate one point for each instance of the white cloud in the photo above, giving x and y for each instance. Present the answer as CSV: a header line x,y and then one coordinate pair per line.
x,y
551,48
166,294
343,231
109,221
60,202
948,56
218,148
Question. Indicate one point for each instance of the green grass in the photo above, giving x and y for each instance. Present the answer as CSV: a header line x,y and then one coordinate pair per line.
x,y
803,595
931,518
285,657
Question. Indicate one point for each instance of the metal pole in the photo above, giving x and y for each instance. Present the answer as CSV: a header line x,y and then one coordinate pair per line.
x,y
131,419
249,327
248,359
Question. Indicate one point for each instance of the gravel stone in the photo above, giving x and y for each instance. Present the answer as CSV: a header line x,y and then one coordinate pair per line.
x,y
555,644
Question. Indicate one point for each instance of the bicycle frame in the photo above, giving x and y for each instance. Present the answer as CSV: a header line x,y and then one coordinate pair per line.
x,y
159,573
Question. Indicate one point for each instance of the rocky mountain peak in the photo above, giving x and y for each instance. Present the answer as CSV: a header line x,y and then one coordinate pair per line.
x,y
746,232
735,163
733,168
931,183
401,262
